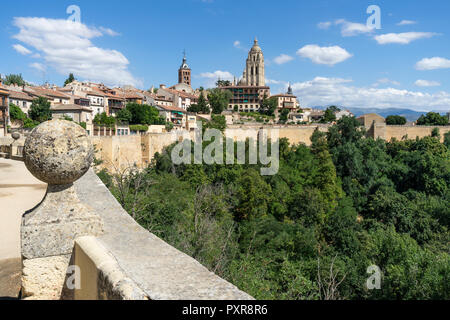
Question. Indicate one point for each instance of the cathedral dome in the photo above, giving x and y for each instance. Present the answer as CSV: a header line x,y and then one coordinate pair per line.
x,y
184,64
256,47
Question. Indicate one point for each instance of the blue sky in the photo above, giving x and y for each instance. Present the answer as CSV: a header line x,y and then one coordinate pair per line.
x,y
323,48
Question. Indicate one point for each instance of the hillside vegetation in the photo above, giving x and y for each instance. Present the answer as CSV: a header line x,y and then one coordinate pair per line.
x,y
311,231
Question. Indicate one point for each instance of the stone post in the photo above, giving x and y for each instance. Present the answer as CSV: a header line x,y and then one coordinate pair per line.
x,y
57,152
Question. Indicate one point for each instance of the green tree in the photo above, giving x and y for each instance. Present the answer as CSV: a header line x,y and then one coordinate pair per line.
x,y
325,179
223,83
218,100
435,133
253,195
395,120
40,110
447,139
330,115
16,113
104,120
144,114
70,79
284,115
268,106
201,106
432,119
124,116
16,79
217,122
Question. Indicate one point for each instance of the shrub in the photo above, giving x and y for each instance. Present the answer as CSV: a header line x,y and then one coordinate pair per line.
x,y
139,127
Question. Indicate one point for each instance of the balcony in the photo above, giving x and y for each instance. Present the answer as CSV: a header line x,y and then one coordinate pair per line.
x,y
117,105
289,105
3,101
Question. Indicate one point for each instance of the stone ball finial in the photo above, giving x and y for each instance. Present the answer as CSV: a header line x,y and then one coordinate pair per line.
x,y
58,152
15,135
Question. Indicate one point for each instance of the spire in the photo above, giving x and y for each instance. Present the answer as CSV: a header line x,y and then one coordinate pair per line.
x,y
184,65
256,41
289,89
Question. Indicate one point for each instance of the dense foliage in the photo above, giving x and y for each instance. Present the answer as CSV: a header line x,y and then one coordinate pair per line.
x,y
201,106
330,114
311,231
218,100
40,110
103,120
18,116
14,79
144,114
16,113
268,106
139,127
395,120
432,119
70,79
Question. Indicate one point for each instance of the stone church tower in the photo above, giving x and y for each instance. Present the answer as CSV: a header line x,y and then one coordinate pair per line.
x,y
254,74
184,73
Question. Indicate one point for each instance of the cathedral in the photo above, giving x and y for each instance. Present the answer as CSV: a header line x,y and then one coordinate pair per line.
x,y
250,90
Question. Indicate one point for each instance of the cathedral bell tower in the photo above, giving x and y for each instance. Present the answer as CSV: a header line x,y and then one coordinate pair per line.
x,y
184,73
254,73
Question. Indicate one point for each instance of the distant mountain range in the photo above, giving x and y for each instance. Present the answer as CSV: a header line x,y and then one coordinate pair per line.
x,y
409,114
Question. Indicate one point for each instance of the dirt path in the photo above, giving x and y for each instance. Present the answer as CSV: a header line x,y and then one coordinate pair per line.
x,y
19,191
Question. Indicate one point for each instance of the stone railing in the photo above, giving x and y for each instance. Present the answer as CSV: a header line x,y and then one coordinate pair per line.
x,y
12,147
79,243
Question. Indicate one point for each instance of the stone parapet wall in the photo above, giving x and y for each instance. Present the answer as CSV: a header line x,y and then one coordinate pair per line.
x,y
128,262
100,276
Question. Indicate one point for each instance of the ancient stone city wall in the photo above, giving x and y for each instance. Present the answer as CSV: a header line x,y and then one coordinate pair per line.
x,y
120,152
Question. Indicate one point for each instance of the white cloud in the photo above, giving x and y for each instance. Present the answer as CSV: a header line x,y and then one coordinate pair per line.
x,y
402,38
326,91
271,81
223,75
109,32
212,77
433,63
349,29
324,25
386,81
427,83
38,66
66,46
237,44
406,22
21,49
324,55
283,58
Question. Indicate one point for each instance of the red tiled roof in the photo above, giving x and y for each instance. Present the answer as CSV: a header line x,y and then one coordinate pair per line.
x,y
43,92
283,95
95,92
20,96
181,93
3,90
172,108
